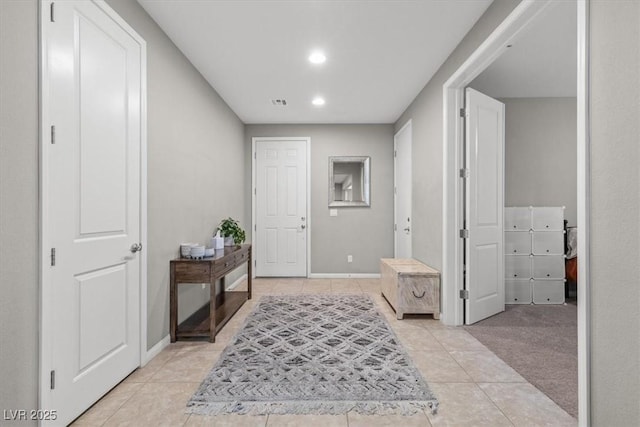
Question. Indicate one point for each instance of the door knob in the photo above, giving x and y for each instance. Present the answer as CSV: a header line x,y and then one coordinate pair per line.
x,y
136,247
407,230
303,226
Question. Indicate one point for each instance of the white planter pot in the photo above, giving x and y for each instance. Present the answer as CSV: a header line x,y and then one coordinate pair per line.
x,y
228,241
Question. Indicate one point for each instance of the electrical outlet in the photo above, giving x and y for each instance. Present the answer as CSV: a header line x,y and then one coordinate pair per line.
x,y
204,285
349,258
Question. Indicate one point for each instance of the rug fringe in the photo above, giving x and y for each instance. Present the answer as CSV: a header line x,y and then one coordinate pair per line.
x,y
312,408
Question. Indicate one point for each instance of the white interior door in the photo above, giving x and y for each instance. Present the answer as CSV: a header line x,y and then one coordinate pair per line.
x,y
95,101
402,199
281,207
484,206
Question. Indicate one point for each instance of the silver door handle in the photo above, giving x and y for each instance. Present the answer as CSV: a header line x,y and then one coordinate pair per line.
x,y
407,229
136,247
303,226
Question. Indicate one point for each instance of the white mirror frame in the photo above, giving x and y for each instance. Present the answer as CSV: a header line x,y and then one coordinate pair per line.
x,y
366,181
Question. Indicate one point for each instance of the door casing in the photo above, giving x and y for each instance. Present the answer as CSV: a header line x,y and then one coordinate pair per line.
x,y
254,140
453,136
45,280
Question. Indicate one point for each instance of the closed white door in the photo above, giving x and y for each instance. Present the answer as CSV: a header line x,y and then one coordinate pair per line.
x,y
93,188
484,206
402,200
281,207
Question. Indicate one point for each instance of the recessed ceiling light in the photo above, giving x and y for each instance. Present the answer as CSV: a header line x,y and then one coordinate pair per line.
x,y
318,101
317,57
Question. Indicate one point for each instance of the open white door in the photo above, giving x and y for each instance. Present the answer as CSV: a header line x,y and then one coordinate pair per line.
x,y
92,226
281,207
484,201
402,189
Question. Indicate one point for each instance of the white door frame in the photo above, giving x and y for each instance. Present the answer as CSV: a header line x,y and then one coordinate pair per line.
x,y
254,140
453,97
46,333
395,186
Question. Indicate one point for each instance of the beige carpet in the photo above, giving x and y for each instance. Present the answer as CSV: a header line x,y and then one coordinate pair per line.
x,y
541,343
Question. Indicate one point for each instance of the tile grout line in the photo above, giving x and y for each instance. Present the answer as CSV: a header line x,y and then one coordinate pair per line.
x,y
496,405
120,406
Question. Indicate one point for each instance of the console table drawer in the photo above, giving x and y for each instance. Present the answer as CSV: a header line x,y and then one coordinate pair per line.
x,y
192,273
242,257
227,265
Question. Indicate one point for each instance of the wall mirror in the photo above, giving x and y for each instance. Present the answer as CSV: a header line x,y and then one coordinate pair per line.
x,y
349,181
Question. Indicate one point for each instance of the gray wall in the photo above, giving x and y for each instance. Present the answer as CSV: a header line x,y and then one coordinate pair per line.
x,y
615,213
540,153
195,142
365,233
426,114
18,205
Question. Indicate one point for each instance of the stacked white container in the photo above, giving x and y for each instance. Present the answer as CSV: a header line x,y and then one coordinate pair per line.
x,y
534,255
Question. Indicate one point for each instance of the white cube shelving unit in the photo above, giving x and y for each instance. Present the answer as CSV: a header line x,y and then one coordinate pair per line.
x,y
534,255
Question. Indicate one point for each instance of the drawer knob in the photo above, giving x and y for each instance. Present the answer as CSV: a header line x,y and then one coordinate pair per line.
x,y
414,294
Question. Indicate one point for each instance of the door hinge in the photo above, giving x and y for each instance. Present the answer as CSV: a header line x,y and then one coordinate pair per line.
x,y
395,227
464,233
53,257
254,155
255,192
395,190
51,12
464,173
53,380
395,153
53,134
464,294
462,112
255,227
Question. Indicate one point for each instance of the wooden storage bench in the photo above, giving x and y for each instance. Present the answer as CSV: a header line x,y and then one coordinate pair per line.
x,y
410,287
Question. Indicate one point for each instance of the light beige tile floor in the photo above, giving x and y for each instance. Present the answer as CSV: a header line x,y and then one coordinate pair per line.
x,y
474,386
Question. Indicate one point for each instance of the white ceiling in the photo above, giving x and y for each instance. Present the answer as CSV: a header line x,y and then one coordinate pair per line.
x,y
542,61
380,54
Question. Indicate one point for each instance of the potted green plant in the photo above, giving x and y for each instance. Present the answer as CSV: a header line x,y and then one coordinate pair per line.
x,y
231,231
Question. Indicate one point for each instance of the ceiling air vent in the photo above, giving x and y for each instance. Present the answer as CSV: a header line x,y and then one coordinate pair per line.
x,y
279,102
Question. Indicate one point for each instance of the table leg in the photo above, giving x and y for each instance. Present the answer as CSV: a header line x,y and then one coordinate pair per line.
x,y
173,304
212,311
249,274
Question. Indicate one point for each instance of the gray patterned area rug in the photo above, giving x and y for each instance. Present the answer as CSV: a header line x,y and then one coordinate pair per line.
x,y
313,354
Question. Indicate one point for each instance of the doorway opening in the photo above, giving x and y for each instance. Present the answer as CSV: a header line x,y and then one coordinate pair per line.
x,y
503,38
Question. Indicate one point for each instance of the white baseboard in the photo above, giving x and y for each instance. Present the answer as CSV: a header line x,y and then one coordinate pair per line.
x,y
156,349
344,275
238,281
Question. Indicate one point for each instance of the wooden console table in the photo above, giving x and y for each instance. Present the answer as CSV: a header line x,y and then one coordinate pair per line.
x,y
207,322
